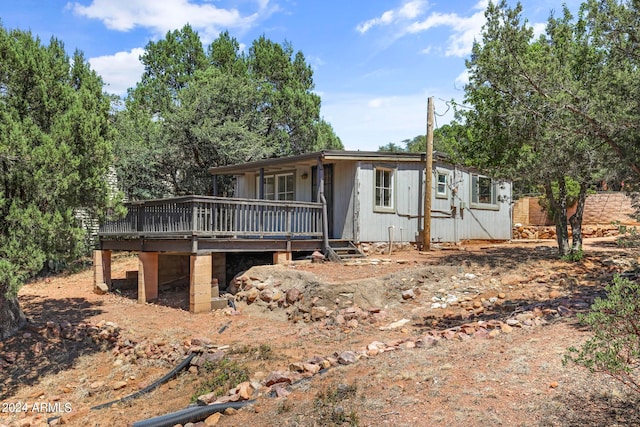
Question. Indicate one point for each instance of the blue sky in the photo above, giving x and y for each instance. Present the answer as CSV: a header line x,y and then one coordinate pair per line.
x,y
375,62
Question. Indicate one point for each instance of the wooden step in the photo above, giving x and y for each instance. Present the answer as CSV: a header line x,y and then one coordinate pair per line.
x,y
345,249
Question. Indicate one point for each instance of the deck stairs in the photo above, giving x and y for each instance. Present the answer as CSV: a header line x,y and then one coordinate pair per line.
x,y
344,250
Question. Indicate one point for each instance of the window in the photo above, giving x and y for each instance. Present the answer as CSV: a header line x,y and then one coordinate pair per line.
x,y
285,187
277,187
483,191
383,189
269,187
441,184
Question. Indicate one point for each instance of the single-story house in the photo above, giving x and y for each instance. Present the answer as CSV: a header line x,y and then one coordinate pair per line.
x,y
299,204
371,196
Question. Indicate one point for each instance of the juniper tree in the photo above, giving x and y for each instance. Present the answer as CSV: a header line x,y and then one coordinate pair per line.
x,y
54,156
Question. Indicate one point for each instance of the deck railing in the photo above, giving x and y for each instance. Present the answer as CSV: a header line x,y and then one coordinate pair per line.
x,y
217,217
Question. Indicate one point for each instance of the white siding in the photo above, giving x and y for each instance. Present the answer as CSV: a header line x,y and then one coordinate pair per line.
x,y
303,185
472,223
374,226
447,224
246,187
355,218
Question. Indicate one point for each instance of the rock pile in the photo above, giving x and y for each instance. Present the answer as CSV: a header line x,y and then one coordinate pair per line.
x,y
549,232
277,383
102,331
383,247
125,348
269,294
46,336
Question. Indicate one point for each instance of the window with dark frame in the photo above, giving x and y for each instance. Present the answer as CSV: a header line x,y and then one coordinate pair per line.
x,y
483,190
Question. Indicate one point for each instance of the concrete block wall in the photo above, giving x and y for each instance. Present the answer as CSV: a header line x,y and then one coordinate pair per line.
x,y
173,269
600,208
607,208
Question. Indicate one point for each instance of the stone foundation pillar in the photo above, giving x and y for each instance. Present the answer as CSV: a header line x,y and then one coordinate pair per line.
x,y
200,284
101,269
147,276
281,257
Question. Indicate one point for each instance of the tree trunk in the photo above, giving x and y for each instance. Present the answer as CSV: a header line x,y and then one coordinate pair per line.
x,y
576,219
11,316
558,207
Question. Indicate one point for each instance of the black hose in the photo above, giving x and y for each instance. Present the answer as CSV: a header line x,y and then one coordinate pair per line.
x,y
192,414
152,386
221,330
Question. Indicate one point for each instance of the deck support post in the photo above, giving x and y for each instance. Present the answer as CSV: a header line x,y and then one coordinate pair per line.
x,y
101,268
147,276
200,284
281,258
321,199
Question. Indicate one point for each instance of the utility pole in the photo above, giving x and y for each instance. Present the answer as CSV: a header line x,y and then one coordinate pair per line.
x,y
426,229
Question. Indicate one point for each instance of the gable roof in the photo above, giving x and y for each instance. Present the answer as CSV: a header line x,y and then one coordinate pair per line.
x,y
311,159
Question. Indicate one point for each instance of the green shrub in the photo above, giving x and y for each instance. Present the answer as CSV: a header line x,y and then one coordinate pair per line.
x,y
335,405
614,348
220,378
573,256
262,352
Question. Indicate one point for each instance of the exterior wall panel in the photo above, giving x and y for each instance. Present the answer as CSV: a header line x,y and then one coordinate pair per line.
x,y
343,199
375,226
453,217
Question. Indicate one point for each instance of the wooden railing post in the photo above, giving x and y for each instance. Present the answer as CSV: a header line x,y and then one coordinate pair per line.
x,y
140,218
194,216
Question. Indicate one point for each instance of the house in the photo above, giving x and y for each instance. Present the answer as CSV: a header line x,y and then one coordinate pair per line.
x,y
378,196
299,204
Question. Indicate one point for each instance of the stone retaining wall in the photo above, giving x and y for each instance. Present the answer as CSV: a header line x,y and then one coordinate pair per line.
x,y
549,232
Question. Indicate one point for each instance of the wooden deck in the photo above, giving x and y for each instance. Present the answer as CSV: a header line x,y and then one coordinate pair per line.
x,y
201,224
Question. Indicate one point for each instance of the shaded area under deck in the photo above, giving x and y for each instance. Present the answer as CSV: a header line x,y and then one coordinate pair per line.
x,y
205,229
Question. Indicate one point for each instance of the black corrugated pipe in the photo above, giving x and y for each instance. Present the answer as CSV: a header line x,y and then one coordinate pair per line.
x,y
190,415
150,387
147,389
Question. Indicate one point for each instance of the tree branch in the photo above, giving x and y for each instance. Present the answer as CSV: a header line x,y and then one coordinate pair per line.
x,y
603,135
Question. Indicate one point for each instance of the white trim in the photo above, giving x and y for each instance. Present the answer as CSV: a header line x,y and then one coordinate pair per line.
x,y
444,186
379,191
273,193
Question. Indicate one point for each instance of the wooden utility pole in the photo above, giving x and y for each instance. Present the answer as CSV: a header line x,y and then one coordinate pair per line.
x,y
426,229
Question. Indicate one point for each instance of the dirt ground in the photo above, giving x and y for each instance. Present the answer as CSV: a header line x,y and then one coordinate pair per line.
x,y
469,335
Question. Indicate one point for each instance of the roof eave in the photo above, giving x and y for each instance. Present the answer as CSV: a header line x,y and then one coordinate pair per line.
x,y
323,156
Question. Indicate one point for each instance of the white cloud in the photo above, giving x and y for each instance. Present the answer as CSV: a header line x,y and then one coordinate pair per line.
x,y
375,103
462,79
409,10
539,29
464,29
365,122
412,9
166,15
120,71
404,20
315,61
